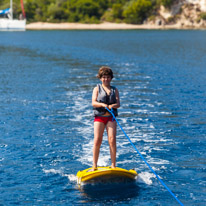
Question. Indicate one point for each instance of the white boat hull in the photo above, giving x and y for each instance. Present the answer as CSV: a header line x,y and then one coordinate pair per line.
x,y
13,24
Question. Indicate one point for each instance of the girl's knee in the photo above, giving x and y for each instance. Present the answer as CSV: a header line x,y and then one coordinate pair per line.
x,y
112,140
97,142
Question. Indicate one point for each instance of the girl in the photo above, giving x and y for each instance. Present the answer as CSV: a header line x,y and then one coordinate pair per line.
x,y
104,95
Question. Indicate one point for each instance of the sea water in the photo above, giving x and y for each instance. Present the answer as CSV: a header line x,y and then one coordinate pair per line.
x,y
46,123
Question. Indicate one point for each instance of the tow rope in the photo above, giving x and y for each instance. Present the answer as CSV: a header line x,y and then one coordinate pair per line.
x,y
111,111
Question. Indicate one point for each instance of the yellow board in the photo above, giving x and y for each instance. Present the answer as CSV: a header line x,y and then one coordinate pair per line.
x,y
88,175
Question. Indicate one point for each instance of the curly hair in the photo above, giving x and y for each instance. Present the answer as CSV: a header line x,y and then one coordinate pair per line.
x,y
104,70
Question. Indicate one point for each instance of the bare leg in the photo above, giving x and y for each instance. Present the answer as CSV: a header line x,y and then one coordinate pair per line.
x,y
111,132
98,135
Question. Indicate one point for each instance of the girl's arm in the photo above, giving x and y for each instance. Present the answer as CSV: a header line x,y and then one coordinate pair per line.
x,y
117,104
95,103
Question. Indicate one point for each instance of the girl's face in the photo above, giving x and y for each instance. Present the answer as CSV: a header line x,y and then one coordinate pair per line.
x,y
106,79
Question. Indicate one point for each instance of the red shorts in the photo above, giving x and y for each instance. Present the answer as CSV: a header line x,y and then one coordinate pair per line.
x,y
103,119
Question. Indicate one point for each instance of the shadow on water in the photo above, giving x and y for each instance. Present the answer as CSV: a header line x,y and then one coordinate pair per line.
x,y
109,192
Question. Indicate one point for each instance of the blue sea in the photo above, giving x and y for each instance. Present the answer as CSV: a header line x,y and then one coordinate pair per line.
x,y
46,117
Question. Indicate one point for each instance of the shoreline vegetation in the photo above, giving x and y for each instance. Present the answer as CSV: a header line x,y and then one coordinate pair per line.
x,y
105,26
111,14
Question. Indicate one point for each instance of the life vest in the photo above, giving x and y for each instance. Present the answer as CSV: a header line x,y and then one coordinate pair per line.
x,y
103,97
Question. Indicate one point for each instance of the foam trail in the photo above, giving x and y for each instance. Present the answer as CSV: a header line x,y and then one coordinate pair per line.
x,y
145,177
71,177
53,171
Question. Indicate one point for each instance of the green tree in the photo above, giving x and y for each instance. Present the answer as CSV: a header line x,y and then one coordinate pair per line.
x,y
83,10
30,9
113,14
203,15
57,11
167,3
130,11
117,10
137,11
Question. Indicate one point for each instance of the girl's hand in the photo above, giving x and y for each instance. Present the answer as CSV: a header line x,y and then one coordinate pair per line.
x,y
104,105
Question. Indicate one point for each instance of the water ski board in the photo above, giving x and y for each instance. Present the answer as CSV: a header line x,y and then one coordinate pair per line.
x,y
103,173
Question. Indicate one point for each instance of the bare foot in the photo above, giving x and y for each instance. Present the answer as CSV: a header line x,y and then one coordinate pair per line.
x,y
94,169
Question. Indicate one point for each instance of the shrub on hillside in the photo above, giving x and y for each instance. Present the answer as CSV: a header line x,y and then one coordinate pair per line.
x,y
167,3
203,15
137,11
